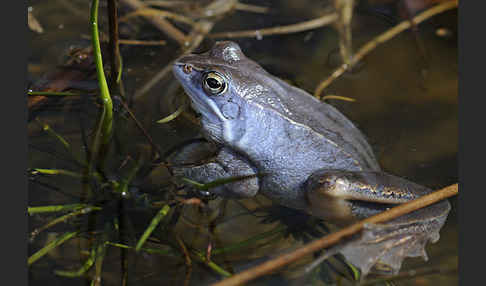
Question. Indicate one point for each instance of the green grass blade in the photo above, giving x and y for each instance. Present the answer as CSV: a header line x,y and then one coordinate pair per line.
x,y
54,172
55,208
153,224
96,144
36,171
107,122
120,69
219,182
64,142
64,218
148,250
100,255
356,272
50,246
218,269
54,134
123,186
77,273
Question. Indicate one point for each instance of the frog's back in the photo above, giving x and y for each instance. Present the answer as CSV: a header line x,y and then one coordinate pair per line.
x,y
290,110
299,106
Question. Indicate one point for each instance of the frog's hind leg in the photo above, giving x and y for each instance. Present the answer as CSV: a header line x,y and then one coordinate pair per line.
x,y
346,196
342,197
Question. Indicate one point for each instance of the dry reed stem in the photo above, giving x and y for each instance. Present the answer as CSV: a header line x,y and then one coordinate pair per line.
x,y
141,43
165,4
187,260
299,27
251,8
150,12
344,8
239,6
371,45
335,237
160,23
113,42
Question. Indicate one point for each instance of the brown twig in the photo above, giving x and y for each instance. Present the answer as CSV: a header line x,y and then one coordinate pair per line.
x,y
344,9
407,14
187,259
299,27
160,23
335,237
150,12
371,45
155,147
166,4
251,8
114,49
187,5
214,9
142,43
197,35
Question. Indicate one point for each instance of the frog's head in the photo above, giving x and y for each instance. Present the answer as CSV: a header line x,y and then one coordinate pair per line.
x,y
220,83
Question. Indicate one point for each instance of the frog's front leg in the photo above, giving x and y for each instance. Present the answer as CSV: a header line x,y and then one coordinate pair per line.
x,y
342,197
225,164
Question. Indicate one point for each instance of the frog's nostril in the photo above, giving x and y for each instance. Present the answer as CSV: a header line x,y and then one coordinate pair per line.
x,y
187,69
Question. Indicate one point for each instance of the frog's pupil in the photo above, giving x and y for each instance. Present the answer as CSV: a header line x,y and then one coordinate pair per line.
x,y
213,83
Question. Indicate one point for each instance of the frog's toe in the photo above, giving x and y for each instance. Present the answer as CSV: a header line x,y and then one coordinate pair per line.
x,y
382,248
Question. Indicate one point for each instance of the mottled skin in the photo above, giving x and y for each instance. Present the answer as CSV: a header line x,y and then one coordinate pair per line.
x,y
311,156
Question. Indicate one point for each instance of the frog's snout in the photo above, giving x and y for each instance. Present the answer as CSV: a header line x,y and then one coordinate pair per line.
x,y
182,70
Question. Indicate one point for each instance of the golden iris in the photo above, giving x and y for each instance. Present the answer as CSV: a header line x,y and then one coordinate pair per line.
x,y
214,83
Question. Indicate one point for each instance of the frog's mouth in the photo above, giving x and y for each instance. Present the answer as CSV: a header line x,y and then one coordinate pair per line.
x,y
202,108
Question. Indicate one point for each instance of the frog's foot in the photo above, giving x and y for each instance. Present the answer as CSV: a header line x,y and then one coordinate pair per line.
x,y
381,248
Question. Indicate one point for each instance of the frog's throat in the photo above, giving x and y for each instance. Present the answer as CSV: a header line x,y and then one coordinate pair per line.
x,y
205,106
218,127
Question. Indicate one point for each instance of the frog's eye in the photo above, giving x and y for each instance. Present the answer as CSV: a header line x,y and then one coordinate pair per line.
x,y
214,83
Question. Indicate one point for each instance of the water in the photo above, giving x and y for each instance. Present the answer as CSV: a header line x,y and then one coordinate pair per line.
x,y
410,120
